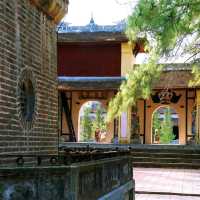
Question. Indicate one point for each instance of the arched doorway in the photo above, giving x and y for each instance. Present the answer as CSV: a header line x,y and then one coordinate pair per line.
x,y
165,126
91,123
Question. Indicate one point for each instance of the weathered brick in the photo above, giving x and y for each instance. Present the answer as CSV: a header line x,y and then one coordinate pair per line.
x,y
27,40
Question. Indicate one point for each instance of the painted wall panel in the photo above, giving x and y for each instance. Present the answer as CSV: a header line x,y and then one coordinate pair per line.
x,y
89,59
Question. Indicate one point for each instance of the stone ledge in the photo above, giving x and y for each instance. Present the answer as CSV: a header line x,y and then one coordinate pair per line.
x,y
55,9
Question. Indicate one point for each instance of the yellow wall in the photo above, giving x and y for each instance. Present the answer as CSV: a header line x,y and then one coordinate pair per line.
x,y
198,113
127,62
180,109
127,58
77,103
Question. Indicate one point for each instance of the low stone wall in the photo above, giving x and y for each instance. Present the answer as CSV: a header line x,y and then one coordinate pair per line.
x,y
109,178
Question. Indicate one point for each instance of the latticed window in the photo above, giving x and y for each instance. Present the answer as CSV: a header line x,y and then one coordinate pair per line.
x,y
27,98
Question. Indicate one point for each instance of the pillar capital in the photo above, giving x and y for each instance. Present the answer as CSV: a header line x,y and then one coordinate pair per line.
x,y
55,9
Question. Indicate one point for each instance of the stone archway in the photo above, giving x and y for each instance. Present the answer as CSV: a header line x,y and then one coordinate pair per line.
x,y
165,125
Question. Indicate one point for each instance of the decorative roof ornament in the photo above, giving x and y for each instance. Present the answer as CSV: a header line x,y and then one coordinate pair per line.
x,y
92,19
92,26
165,96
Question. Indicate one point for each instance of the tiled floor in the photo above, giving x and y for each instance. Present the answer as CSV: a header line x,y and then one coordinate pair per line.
x,y
167,180
164,197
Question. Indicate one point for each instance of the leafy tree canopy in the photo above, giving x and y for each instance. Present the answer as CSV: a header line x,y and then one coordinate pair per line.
x,y
86,125
156,122
167,23
166,135
99,121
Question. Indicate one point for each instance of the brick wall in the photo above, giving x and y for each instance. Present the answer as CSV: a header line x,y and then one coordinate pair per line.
x,y
27,42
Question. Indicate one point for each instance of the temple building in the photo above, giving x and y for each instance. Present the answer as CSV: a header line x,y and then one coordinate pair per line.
x,y
32,164
92,62
172,92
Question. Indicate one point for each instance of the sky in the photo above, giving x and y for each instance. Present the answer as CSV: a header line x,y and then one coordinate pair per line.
x,y
104,12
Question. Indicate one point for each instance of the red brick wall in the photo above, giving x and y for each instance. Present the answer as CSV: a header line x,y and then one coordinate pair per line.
x,y
89,59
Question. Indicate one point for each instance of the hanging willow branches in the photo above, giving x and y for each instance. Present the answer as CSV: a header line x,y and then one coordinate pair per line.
x,y
138,85
168,23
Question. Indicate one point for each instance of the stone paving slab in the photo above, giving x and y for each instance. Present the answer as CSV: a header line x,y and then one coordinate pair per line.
x,y
184,181
164,197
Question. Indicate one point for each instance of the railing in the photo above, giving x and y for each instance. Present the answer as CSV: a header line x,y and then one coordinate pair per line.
x,y
66,156
79,174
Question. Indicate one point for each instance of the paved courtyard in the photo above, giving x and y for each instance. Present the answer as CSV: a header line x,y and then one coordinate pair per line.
x,y
164,197
167,184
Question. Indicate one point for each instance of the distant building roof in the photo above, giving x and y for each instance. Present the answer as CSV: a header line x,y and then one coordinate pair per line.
x,y
92,32
173,76
174,79
91,27
177,67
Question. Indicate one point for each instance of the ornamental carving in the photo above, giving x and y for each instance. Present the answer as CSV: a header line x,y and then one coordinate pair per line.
x,y
55,9
165,96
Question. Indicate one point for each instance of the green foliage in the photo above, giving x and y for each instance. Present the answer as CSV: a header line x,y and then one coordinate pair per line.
x,y
156,122
86,125
89,126
166,22
138,85
196,79
99,122
166,134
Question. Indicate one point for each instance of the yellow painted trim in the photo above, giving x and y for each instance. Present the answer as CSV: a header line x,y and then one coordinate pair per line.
x,y
127,58
198,113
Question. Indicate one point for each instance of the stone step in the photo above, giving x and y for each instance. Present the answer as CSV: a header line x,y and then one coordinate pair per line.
x,y
166,155
167,165
165,160
187,151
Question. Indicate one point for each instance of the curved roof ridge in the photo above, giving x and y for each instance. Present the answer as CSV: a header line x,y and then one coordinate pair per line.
x,y
65,27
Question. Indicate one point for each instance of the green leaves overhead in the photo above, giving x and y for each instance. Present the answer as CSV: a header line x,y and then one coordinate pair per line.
x,y
138,85
166,132
86,125
165,20
167,23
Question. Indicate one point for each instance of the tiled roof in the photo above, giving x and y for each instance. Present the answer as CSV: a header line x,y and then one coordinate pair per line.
x,y
174,79
177,67
91,27
89,83
170,79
